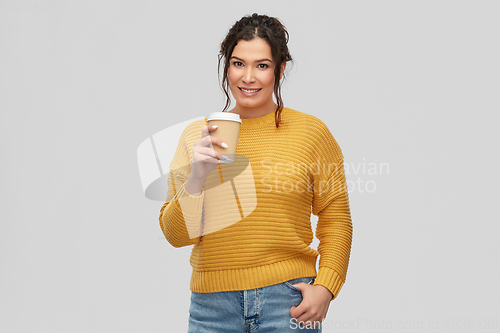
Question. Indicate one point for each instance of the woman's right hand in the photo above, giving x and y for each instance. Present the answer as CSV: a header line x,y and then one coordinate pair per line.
x,y
205,158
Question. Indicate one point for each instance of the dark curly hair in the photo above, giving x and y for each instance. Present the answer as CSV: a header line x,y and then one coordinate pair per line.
x,y
257,26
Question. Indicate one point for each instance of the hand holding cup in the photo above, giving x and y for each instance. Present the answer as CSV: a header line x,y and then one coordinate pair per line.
x,y
205,158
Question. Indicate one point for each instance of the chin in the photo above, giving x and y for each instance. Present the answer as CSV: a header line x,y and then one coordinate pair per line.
x,y
250,105
254,107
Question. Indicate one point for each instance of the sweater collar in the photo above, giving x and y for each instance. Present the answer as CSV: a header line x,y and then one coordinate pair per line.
x,y
268,119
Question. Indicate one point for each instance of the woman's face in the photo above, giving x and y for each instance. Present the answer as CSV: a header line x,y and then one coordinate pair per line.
x,y
251,75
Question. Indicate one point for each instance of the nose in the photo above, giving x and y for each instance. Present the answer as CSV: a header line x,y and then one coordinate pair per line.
x,y
248,76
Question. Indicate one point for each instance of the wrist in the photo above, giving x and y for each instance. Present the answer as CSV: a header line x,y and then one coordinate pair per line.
x,y
194,187
325,290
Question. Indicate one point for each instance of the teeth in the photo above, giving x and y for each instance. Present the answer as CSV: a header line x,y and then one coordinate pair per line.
x,y
250,91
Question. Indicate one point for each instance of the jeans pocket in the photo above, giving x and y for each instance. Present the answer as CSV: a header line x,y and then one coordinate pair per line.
x,y
290,283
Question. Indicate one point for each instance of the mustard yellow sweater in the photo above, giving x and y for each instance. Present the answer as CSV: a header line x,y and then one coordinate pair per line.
x,y
251,225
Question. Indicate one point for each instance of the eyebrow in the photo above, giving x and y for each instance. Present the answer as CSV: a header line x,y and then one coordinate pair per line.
x,y
260,60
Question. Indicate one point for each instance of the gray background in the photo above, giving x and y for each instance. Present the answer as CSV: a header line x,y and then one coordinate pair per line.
x,y
412,85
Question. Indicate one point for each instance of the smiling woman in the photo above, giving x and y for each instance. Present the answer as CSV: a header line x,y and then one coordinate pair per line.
x,y
259,273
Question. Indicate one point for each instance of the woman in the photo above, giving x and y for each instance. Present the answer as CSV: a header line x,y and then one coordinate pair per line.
x,y
259,273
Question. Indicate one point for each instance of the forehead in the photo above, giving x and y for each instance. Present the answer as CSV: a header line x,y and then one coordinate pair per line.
x,y
251,50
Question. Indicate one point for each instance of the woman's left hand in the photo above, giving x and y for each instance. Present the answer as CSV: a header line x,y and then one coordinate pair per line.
x,y
314,306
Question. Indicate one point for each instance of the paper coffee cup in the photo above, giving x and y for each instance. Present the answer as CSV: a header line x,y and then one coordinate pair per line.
x,y
228,130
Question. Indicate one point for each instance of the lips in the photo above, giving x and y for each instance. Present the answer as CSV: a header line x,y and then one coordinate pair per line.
x,y
249,91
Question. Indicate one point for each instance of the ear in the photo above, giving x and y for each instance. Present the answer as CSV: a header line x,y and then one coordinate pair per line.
x,y
283,66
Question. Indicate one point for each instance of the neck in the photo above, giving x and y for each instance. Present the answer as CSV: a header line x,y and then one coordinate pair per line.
x,y
249,112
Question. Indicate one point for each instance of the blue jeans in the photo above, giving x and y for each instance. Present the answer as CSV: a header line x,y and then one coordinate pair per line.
x,y
264,310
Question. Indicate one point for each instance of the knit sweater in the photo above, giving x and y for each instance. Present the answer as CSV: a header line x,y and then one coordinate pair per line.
x,y
259,235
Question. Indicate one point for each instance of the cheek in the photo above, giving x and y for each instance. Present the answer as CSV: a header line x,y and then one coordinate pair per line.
x,y
231,76
268,80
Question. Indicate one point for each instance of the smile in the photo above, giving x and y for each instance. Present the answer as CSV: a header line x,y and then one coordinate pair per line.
x,y
249,91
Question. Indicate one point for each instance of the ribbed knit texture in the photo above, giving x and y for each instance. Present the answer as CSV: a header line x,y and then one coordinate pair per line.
x,y
291,179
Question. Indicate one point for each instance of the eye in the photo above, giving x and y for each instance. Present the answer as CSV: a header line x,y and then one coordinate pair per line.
x,y
263,66
237,63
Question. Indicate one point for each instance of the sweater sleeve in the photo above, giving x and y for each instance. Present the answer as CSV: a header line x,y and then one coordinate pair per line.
x,y
181,214
331,205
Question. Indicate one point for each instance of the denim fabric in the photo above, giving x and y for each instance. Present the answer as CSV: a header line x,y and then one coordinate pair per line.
x,y
263,310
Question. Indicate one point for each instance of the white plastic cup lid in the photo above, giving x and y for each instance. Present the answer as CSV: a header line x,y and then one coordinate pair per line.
x,y
224,116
